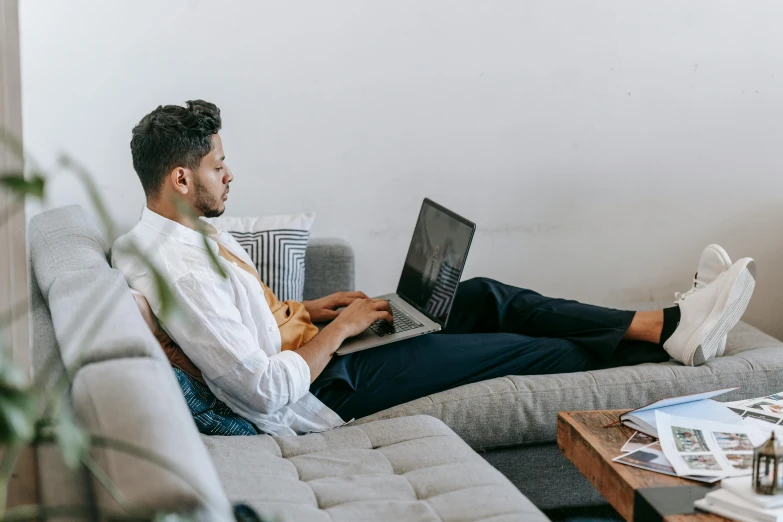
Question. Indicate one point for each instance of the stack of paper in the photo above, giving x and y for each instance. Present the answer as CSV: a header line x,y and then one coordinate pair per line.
x,y
737,500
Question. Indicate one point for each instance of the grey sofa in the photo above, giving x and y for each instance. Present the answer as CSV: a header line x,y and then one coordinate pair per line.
x,y
509,421
123,390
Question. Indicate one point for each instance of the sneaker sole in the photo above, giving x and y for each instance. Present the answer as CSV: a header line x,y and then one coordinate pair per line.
x,y
721,252
705,343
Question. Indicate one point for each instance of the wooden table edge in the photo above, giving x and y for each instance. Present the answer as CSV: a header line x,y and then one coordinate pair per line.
x,y
588,459
615,482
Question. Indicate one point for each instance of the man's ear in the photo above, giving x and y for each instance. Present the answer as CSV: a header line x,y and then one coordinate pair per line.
x,y
181,179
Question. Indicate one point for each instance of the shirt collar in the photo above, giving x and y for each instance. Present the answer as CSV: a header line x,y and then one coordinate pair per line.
x,y
180,232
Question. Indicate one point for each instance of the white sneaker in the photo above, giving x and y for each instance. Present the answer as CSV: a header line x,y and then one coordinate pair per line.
x,y
708,313
713,262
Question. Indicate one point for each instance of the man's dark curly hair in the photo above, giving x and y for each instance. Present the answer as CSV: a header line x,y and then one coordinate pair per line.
x,y
170,137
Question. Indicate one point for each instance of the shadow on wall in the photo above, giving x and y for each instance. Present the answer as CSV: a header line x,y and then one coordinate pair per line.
x,y
757,234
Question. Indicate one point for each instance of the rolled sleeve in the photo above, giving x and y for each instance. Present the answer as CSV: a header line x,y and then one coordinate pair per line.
x,y
299,372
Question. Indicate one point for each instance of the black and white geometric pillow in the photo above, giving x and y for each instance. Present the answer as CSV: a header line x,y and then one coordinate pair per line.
x,y
277,245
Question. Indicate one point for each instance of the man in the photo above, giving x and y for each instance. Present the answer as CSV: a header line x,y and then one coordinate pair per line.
x,y
270,365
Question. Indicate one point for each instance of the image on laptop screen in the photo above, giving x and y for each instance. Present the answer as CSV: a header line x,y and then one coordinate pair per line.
x,y
435,261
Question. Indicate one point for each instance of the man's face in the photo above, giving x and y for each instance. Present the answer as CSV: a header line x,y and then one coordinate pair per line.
x,y
210,182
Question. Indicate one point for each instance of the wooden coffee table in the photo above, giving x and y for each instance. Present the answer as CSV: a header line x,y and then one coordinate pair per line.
x,y
582,438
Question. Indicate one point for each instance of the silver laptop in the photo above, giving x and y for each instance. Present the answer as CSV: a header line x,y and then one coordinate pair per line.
x,y
428,282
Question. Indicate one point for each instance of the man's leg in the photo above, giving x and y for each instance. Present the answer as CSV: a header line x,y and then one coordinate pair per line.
x,y
485,306
369,381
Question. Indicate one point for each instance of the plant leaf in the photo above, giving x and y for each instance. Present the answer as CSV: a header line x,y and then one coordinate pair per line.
x,y
17,183
17,405
214,258
167,303
71,439
17,417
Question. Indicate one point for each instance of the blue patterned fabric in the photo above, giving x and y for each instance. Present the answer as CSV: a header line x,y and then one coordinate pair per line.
x,y
212,416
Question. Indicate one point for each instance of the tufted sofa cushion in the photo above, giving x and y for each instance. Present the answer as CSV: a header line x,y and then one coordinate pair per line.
x,y
409,468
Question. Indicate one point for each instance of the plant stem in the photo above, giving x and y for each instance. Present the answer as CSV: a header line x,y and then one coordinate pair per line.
x,y
107,483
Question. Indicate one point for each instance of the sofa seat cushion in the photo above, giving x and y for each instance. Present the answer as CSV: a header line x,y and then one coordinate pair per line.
x,y
517,410
410,468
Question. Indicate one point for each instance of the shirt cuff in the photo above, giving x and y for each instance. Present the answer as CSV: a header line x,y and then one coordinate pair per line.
x,y
298,371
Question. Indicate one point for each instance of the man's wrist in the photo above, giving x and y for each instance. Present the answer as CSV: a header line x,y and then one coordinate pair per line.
x,y
336,329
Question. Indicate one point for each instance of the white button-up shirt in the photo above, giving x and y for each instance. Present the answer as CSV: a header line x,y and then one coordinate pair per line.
x,y
224,325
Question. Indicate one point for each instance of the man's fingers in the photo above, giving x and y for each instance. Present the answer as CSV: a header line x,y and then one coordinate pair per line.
x,y
355,295
386,316
329,314
342,301
381,304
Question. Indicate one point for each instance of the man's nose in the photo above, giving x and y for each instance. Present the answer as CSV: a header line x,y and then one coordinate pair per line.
x,y
230,177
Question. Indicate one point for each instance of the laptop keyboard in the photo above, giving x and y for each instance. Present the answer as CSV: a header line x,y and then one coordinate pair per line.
x,y
402,323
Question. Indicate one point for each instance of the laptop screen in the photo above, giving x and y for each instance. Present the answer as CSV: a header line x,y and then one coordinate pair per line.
x,y
435,261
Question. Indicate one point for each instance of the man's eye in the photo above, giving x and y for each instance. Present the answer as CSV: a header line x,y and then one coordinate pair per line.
x,y
219,168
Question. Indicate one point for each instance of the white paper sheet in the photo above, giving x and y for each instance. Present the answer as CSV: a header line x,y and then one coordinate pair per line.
x,y
705,448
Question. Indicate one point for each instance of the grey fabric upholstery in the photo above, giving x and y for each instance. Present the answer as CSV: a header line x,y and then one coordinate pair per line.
x,y
138,402
523,409
544,475
328,268
411,468
48,366
78,300
64,240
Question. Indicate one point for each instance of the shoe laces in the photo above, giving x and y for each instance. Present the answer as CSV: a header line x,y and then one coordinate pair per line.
x,y
698,284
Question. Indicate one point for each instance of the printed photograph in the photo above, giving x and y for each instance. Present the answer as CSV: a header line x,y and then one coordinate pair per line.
x,y
740,461
637,441
761,416
689,440
773,408
759,405
651,458
733,441
702,462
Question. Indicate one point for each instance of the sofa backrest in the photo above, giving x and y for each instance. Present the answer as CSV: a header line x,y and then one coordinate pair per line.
x,y
123,389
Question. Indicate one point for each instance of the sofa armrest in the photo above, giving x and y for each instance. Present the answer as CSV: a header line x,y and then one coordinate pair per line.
x,y
329,267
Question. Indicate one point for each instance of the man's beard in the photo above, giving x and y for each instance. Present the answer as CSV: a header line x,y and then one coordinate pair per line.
x,y
205,203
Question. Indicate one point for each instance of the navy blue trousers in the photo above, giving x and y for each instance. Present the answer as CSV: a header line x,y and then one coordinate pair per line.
x,y
494,330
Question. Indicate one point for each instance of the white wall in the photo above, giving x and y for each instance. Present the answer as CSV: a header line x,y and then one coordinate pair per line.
x,y
599,145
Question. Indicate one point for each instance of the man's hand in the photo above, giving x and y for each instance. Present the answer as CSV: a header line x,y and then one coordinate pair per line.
x,y
325,308
360,314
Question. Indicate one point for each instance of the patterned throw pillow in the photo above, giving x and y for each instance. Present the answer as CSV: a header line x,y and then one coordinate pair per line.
x,y
277,245
212,416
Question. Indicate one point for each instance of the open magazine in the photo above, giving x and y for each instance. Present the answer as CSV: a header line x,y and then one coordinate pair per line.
x,y
697,405
767,409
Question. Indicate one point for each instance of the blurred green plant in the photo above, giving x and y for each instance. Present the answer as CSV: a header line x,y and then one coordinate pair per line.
x,y
33,414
